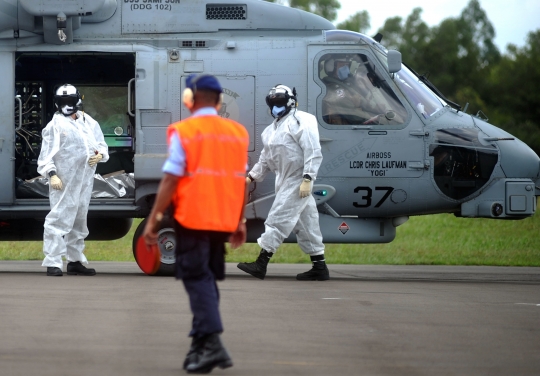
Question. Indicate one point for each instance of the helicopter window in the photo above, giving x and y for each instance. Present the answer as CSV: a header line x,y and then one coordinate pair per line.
x,y
418,94
461,164
356,93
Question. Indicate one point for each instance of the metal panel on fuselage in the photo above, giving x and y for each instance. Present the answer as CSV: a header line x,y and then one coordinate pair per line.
x,y
7,129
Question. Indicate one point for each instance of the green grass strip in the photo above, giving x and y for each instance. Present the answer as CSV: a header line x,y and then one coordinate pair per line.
x,y
440,239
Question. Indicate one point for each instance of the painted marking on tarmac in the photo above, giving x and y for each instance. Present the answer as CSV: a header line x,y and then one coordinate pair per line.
x,y
533,304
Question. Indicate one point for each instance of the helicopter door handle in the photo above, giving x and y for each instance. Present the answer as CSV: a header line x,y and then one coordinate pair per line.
x,y
324,139
419,133
418,165
130,110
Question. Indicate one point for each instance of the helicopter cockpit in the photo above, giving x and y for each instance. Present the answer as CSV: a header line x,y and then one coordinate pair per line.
x,y
356,94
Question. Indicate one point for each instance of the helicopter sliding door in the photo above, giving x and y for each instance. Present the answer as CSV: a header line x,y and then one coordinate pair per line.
x,y
238,102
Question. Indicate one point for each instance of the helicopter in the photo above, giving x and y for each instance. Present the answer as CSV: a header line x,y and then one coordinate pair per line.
x,y
393,146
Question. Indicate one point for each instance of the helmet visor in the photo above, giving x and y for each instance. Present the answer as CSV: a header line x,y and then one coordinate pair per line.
x,y
70,101
277,99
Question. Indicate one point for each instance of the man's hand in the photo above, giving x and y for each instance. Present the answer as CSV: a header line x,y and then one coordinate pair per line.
x,y
238,237
305,188
95,159
374,120
150,233
248,180
56,183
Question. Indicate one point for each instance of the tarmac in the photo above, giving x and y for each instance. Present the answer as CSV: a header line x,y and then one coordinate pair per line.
x,y
367,320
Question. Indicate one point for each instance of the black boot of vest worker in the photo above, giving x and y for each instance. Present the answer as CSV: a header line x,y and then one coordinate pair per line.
x,y
213,355
257,268
319,271
195,351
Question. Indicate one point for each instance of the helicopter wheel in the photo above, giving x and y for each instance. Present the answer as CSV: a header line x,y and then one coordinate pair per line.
x,y
166,245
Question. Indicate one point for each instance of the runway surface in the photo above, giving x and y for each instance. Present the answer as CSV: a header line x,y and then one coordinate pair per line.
x,y
367,320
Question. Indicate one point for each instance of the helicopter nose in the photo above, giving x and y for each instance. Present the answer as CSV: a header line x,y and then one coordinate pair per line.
x,y
518,160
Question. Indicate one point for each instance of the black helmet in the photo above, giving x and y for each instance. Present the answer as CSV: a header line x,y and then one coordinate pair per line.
x,y
281,96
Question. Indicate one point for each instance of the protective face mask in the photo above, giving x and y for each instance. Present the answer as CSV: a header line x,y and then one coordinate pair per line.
x,y
67,110
277,111
343,72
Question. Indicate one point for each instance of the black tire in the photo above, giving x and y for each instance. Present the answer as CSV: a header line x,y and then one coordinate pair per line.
x,y
166,243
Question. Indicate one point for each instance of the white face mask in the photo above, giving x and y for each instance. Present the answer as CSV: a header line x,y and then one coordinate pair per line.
x,y
343,72
278,111
68,110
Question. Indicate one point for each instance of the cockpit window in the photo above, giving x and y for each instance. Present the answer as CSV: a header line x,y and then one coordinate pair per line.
x,y
418,94
462,165
356,93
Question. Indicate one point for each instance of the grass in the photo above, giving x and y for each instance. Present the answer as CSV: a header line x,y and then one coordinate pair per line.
x,y
440,239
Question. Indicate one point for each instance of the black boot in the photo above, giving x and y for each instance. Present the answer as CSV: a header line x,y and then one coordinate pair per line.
x,y
257,268
318,272
76,268
213,355
195,351
54,271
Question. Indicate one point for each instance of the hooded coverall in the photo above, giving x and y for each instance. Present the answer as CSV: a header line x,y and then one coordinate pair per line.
x,y
66,148
291,149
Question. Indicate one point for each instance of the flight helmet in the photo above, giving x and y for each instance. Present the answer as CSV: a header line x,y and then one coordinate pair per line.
x,y
281,96
67,99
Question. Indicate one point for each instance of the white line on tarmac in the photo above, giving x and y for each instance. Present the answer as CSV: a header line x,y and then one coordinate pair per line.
x,y
533,304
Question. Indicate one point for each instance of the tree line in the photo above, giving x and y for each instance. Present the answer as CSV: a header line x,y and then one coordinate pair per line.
x,y
460,57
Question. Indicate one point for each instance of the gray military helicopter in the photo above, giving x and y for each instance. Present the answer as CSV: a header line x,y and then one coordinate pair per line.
x,y
393,145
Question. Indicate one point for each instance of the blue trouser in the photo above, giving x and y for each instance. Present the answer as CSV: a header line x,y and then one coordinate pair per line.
x,y
200,261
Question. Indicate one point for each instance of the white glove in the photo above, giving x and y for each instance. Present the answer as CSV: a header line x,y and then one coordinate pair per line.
x,y
305,188
55,181
95,159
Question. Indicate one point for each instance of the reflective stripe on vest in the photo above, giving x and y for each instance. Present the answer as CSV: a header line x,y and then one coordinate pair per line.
x,y
210,194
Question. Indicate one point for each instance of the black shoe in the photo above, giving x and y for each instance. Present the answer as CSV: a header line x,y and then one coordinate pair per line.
x,y
257,268
195,351
213,355
319,272
53,271
76,268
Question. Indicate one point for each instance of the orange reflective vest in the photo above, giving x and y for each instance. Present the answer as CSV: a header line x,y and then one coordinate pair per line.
x,y
210,195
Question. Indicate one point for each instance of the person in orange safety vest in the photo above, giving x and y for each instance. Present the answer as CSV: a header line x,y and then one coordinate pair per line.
x,y
204,179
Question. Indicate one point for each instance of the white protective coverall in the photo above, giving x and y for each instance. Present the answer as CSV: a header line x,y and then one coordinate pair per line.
x,y
291,149
66,148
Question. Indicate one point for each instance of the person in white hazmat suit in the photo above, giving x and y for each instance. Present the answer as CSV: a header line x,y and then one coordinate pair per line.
x,y
291,149
72,145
